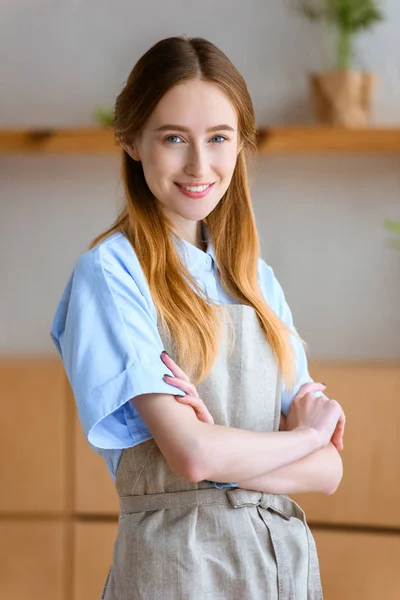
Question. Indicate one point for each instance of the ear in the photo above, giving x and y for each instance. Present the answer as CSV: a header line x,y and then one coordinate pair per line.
x,y
131,150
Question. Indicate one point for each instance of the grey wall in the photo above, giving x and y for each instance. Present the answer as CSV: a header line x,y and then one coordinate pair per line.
x,y
319,217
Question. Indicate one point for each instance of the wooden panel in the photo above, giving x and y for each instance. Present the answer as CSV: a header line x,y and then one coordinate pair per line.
x,y
32,560
359,566
320,139
370,490
33,437
93,551
95,491
93,140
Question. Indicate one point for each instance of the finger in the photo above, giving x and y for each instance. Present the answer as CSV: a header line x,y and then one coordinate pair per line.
x,y
194,402
172,366
185,386
198,406
341,426
338,445
337,441
337,437
310,386
341,421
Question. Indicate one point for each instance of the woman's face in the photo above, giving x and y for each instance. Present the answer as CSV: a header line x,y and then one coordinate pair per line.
x,y
191,139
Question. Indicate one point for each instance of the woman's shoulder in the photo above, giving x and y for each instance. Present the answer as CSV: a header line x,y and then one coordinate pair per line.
x,y
112,264
106,277
111,255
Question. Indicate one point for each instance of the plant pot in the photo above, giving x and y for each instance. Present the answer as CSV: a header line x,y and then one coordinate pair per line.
x,y
342,98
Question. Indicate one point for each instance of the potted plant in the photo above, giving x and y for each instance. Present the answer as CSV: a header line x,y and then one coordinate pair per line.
x,y
342,96
394,227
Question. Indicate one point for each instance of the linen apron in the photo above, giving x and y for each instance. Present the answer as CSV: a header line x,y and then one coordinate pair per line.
x,y
180,540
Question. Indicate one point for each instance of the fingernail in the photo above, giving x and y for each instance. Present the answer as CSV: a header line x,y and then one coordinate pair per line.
x,y
164,352
166,375
323,383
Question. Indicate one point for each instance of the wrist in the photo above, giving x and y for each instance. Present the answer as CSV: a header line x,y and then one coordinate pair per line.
x,y
311,436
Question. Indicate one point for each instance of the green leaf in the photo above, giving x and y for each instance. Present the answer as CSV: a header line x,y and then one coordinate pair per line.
x,y
347,15
392,225
104,116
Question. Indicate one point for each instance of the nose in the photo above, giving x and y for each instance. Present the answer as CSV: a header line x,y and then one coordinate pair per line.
x,y
196,163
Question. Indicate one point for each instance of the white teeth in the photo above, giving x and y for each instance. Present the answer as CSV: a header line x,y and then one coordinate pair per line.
x,y
199,188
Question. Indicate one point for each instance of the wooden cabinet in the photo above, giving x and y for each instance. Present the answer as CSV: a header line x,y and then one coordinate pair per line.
x,y
92,551
59,506
359,566
32,560
33,437
94,490
370,490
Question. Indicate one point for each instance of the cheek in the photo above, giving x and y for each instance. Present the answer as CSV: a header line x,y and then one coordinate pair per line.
x,y
160,163
226,163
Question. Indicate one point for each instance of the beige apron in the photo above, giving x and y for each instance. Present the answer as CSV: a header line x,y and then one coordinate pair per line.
x,y
179,540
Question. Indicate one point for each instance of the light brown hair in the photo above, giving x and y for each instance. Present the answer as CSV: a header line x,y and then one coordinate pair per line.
x,y
191,321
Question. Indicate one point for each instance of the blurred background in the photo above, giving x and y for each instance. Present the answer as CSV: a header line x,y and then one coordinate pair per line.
x,y
325,187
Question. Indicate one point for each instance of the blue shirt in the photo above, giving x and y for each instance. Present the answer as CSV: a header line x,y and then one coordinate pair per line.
x,y
105,330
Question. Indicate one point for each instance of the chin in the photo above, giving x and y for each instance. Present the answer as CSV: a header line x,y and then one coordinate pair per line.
x,y
195,213
194,216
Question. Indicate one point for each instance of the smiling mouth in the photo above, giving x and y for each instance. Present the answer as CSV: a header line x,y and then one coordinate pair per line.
x,y
195,188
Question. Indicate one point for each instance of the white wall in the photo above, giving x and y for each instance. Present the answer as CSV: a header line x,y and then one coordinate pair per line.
x,y
320,218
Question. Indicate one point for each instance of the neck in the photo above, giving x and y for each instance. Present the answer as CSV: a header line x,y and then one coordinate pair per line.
x,y
192,233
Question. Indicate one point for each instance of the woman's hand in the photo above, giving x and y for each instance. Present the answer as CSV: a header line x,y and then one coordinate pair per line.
x,y
324,415
337,438
182,381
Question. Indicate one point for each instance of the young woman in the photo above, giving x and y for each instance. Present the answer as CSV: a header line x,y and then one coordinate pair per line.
x,y
202,472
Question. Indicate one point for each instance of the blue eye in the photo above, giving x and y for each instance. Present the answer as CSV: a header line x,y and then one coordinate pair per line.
x,y
221,137
167,139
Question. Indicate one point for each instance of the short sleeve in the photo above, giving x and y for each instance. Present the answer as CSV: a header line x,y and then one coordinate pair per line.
x,y
105,330
275,297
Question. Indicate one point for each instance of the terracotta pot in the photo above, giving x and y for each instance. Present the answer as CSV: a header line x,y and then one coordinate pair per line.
x,y
342,98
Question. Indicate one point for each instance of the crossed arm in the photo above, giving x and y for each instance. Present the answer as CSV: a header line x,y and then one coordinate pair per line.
x,y
284,462
320,471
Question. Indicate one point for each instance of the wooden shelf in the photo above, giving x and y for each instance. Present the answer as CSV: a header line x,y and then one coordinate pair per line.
x,y
95,140
299,140
274,140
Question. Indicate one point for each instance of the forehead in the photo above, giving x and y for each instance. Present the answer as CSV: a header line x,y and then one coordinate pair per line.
x,y
195,104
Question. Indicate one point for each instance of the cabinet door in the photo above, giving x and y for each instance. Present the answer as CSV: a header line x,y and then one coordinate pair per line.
x,y
369,493
32,560
33,436
93,551
94,489
359,566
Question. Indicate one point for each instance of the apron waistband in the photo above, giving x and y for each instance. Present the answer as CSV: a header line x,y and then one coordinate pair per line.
x,y
235,498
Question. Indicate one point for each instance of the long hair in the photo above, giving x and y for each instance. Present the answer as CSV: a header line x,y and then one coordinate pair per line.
x,y
191,320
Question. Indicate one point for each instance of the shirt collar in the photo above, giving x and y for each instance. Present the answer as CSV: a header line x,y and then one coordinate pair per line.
x,y
196,259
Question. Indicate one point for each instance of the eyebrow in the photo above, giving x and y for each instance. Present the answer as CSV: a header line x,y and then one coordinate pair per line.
x,y
184,129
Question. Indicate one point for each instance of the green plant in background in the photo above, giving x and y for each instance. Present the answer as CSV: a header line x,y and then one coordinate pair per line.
x,y
104,116
394,227
349,17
